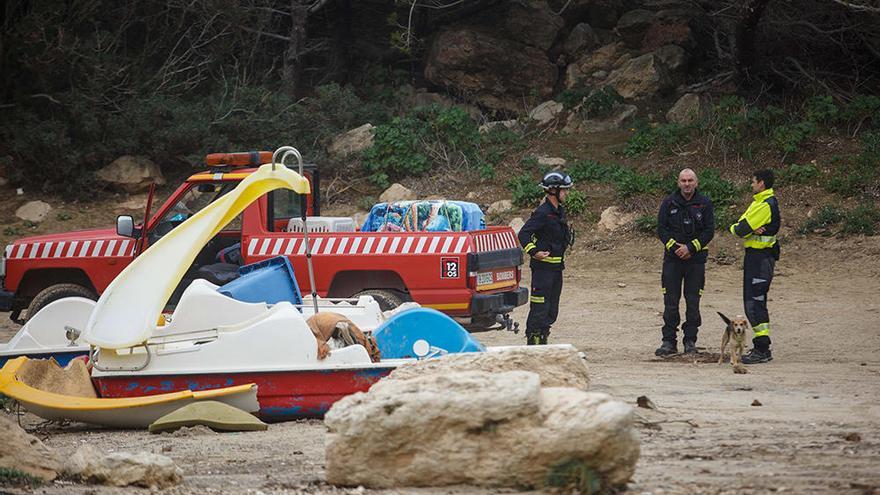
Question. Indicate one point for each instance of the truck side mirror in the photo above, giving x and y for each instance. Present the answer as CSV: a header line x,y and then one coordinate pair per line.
x,y
125,226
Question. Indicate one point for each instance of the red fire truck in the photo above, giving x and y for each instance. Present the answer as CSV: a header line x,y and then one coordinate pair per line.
x,y
473,276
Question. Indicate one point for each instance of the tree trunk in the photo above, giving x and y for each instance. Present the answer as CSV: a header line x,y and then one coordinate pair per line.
x,y
746,31
293,59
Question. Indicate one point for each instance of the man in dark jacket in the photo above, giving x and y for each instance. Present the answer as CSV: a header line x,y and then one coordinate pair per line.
x,y
685,225
544,238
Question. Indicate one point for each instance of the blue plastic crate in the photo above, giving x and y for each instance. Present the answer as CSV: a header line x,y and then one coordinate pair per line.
x,y
269,281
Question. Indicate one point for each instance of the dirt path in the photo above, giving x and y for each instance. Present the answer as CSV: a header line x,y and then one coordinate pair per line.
x,y
817,429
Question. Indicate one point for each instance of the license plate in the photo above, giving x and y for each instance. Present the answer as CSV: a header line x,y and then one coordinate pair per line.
x,y
484,278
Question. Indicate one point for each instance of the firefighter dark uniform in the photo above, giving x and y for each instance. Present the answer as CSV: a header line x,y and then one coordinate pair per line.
x,y
546,230
761,254
692,223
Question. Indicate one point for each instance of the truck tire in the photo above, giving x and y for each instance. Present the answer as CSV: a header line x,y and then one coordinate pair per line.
x,y
55,292
387,299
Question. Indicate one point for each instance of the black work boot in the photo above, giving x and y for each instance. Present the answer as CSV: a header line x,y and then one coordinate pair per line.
x,y
690,347
544,337
533,339
756,356
667,348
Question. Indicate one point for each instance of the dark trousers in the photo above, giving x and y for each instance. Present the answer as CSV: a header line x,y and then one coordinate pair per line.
x,y
543,302
758,266
693,275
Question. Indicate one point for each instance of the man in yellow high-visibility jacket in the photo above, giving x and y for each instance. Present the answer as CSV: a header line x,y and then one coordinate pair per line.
x,y
759,226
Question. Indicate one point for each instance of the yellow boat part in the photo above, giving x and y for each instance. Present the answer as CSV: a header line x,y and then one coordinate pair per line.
x,y
125,315
128,412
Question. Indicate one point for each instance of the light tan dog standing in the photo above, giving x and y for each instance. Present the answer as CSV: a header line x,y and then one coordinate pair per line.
x,y
736,330
327,326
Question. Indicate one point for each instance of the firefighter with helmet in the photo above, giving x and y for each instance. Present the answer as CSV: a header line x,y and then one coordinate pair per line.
x,y
544,238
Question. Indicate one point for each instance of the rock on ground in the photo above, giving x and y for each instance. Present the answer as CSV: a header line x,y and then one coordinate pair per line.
x,y
131,173
396,192
613,218
123,468
477,428
33,211
641,77
352,141
557,366
500,206
546,112
690,108
620,115
26,453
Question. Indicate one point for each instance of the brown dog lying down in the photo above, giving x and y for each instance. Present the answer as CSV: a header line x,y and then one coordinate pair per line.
x,y
341,332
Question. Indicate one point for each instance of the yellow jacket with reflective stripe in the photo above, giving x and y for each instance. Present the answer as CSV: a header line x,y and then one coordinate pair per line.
x,y
763,212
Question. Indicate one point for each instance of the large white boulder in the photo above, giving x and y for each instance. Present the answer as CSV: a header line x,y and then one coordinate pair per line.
x,y
396,192
641,77
613,218
477,428
352,141
690,108
546,112
500,206
557,366
131,173
33,211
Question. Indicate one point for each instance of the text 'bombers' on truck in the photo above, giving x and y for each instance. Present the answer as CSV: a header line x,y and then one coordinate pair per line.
x,y
472,275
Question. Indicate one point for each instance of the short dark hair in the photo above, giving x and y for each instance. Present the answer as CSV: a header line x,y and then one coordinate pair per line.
x,y
766,176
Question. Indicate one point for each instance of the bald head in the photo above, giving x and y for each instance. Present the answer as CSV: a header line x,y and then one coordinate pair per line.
x,y
687,183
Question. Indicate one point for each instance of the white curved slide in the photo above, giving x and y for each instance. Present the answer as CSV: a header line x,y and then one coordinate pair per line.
x,y
126,314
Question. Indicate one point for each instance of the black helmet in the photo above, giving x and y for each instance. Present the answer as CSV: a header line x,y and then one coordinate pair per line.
x,y
556,179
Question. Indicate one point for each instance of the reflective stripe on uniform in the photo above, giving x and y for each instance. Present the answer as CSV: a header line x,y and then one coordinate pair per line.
x,y
536,299
551,259
769,239
528,247
670,243
697,244
762,330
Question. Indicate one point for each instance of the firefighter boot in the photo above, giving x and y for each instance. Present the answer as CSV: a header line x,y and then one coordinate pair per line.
x,y
756,356
533,339
544,336
690,347
667,348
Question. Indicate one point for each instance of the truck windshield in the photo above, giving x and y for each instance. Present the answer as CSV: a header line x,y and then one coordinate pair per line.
x,y
193,200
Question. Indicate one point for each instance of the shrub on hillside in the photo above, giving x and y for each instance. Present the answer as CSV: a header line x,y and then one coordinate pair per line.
x,y
525,191
796,174
662,137
575,203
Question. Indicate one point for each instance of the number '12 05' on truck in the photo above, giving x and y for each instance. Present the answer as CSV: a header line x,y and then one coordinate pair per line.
x,y
473,275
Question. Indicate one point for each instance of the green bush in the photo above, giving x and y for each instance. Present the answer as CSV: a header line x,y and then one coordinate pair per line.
x,y
573,97
662,137
429,137
396,151
575,203
526,191
574,476
600,102
857,174
722,192
14,477
862,219
863,109
789,138
626,182
647,224
797,174
821,109
827,216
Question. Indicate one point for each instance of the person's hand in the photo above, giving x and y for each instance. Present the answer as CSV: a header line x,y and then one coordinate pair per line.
x,y
682,251
759,230
541,255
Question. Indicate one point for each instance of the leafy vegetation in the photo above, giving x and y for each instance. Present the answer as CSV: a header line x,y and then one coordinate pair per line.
x,y
14,477
827,216
663,137
575,203
795,174
575,476
626,181
647,224
525,190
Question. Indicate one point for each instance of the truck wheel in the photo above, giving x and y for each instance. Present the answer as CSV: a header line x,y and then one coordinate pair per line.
x,y
387,299
58,291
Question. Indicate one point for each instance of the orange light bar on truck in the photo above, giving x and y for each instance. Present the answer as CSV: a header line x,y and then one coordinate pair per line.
x,y
241,159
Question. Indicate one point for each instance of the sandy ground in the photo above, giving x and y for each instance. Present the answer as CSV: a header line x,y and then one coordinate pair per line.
x,y
817,429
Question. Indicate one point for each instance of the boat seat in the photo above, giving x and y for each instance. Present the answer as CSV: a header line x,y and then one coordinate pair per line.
x,y
201,307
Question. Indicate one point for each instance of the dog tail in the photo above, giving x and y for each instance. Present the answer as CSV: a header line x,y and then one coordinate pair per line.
x,y
726,319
